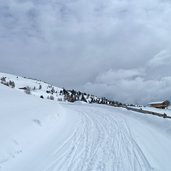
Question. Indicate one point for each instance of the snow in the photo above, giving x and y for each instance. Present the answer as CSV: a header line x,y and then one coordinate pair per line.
x,y
43,135
28,125
157,110
21,82
159,102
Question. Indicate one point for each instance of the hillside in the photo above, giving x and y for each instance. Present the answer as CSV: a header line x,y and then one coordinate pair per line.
x,y
44,135
28,124
46,91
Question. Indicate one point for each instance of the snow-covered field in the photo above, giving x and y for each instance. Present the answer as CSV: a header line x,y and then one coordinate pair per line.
x,y
157,110
43,135
162,111
34,85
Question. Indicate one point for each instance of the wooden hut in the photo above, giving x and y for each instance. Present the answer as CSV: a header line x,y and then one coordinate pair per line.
x,y
160,105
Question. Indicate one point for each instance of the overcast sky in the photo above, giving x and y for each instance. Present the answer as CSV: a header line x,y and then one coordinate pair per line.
x,y
120,49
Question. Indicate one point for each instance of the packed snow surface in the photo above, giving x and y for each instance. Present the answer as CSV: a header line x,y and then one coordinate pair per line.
x,y
43,135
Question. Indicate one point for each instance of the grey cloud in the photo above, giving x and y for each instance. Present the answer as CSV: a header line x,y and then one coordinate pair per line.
x,y
138,91
135,85
82,44
161,59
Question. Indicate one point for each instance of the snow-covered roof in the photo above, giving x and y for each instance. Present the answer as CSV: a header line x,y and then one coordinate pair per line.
x,y
159,102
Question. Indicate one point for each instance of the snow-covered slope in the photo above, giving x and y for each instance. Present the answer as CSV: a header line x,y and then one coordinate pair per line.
x,y
43,135
47,91
36,87
157,110
28,126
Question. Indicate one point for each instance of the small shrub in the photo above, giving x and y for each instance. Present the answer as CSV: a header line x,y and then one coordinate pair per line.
x,y
28,90
3,79
11,84
41,97
51,98
40,87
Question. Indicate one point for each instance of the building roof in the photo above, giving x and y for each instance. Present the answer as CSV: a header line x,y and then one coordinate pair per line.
x,y
159,102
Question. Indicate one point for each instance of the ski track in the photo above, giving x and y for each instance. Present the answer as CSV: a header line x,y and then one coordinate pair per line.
x,y
101,142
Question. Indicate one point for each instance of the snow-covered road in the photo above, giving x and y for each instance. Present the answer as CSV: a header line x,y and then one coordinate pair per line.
x,y
101,141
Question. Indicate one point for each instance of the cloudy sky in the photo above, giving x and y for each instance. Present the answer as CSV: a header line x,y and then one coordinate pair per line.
x,y
115,48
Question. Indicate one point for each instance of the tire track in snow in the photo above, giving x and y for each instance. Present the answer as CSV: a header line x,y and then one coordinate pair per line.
x,y
102,142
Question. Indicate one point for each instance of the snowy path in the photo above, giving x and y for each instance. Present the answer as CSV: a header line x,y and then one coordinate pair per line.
x,y
101,141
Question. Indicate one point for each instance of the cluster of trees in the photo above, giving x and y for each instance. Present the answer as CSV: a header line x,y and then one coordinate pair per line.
x,y
28,89
39,88
72,96
51,90
69,95
7,83
50,97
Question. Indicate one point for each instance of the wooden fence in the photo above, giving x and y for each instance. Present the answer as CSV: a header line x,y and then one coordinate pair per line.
x,y
164,115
